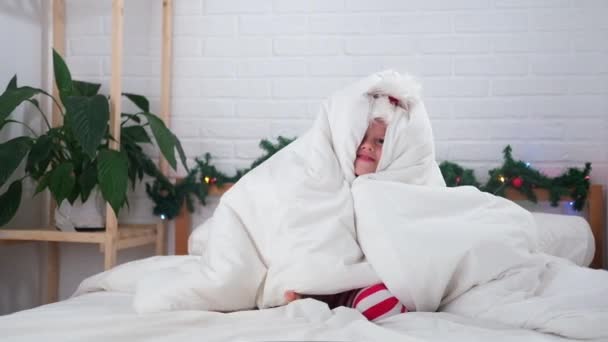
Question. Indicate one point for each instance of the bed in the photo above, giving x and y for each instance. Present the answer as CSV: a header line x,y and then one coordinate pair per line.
x,y
109,315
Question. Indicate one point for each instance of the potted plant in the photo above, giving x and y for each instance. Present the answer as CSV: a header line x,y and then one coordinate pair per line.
x,y
74,160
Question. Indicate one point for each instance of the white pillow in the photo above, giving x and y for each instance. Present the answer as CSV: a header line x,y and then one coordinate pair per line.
x,y
565,236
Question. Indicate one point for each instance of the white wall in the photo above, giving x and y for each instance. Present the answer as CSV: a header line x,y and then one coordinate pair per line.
x,y
533,73
530,73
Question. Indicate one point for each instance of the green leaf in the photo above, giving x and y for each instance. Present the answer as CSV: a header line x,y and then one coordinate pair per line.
x,y
82,88
74,194
140,101
132,117
62,75
43,183
12,84
164,138
88,118
12,98
87,181
6,122
136,133
182,154
112,169
9,202
149,167
41,150
12,153
62,181
35,103
132,171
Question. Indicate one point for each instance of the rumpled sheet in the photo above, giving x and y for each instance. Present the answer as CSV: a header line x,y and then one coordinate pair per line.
x,y
109,316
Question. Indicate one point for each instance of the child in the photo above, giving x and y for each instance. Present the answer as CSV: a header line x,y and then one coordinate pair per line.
x,y
374,302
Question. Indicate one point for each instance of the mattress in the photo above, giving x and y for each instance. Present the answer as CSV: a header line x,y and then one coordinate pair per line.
x,y
104,316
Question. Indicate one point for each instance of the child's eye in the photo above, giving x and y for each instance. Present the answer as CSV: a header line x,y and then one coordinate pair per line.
x,y
381,141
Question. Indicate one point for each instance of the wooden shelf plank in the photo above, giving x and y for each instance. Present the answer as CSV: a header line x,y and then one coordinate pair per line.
x,y
50,234
125,232
130,232
136,241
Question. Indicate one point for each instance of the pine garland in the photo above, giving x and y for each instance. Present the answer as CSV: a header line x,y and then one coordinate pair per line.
x,y
519,175
168,197
455,175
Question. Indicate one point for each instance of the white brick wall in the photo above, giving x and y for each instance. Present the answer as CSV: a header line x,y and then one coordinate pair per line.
x,y
533,73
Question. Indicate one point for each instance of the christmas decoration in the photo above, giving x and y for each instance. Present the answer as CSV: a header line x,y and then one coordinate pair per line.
x,y
517,182
455,175
574,182
168,197
522,177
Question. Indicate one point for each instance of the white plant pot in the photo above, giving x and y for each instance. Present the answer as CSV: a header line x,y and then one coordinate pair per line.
x,y
89,215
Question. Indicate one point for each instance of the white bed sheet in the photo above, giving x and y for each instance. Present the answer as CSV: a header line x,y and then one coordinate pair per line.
x,y
108,316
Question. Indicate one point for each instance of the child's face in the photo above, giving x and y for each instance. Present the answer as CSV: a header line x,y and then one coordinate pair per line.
x,y
370,149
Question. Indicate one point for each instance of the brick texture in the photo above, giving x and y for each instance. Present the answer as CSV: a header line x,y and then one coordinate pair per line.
x,y
531,73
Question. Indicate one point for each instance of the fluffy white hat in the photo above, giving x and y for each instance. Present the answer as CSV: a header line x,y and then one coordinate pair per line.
x,y
392,96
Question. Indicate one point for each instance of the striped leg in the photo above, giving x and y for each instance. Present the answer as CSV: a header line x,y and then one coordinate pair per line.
x,y
376,302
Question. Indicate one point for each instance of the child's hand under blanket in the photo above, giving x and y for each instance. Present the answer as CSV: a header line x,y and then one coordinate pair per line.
x,y
291,295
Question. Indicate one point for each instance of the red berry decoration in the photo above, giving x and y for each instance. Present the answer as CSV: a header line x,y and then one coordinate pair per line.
x,y
517,182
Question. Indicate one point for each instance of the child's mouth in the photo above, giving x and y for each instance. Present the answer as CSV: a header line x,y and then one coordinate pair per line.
x,y
365,158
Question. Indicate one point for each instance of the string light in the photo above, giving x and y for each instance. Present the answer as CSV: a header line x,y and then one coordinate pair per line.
x,y
502,179
571,203
587,177
163,217
528,164
207,179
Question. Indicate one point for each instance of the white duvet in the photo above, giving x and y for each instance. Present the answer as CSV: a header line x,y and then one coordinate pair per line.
x,y
302,221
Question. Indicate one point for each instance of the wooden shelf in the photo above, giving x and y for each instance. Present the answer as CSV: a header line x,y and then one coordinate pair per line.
x,y
126,236
125,232
116,236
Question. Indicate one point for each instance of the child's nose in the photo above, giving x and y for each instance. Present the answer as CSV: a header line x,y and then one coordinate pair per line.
x,y
367,146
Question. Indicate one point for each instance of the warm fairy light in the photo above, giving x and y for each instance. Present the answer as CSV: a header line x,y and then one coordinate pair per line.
x,y
207,179
502,179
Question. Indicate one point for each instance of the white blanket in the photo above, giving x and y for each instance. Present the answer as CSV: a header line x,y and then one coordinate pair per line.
x,y
302,221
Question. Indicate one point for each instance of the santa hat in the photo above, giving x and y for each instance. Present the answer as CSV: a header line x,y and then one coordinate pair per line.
x,y
393,95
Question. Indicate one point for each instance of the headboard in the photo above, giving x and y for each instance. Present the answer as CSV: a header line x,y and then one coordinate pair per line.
x,y
595,214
